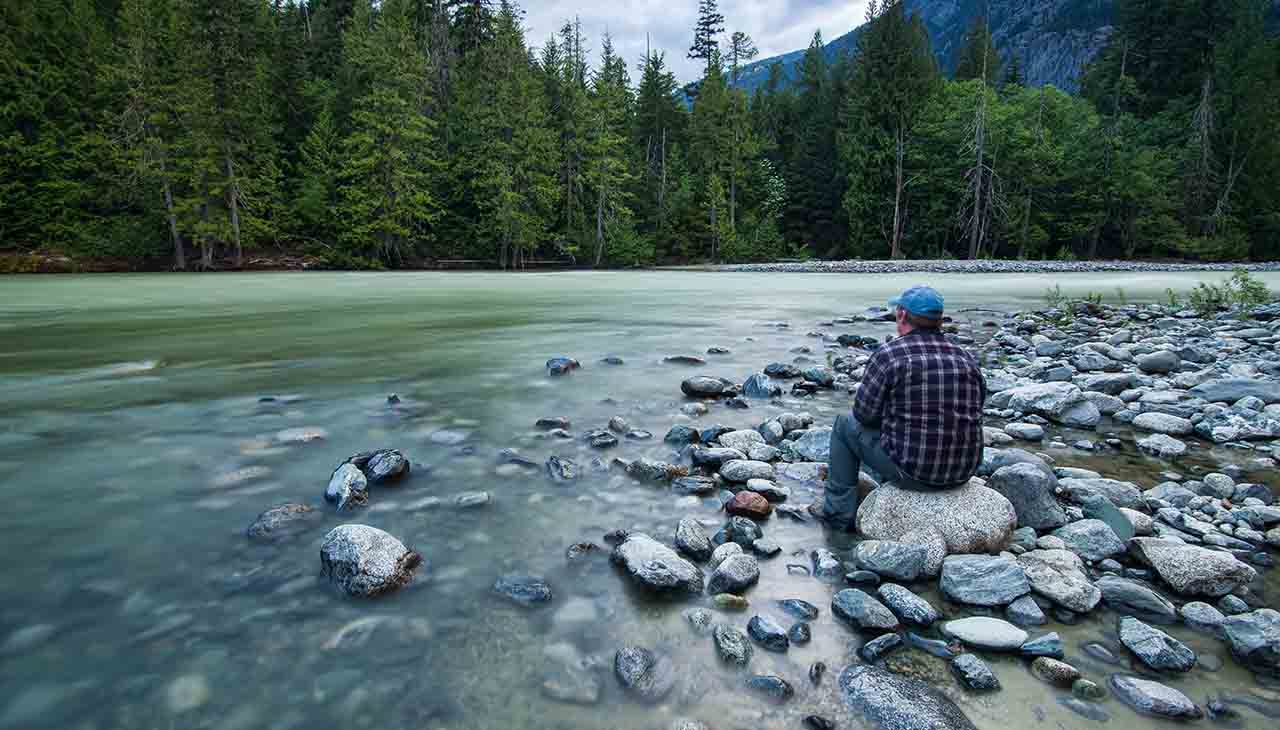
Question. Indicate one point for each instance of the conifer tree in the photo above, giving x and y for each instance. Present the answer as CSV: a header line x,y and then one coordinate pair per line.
x,y
978,57
706,33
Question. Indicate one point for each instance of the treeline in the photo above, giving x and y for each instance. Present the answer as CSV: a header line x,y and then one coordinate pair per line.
x,y
402,132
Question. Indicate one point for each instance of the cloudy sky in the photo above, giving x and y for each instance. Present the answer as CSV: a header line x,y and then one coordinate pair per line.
x,y
777,26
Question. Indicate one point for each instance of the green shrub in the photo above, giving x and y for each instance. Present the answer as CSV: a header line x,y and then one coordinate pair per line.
x,y
1242,290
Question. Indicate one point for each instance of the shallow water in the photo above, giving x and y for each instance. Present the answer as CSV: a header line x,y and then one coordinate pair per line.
x,y
134,451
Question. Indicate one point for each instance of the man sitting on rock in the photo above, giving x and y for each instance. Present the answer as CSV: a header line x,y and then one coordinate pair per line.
x,y
917,416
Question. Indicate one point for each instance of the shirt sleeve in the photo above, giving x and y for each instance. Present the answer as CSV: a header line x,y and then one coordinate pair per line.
x,y
877,381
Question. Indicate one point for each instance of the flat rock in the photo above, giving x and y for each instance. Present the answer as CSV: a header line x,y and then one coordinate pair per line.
x,y
892,560
906,605
1162,446
970,519
890,701
1152,698
983,632
1059,575
749,504
524,590
1164,423
1127,596
1190,570
365,561
863,612
1230,390
692,540
1154,647
983,580
1121,494
656,567
740,471
1092,540
703,386
1255,639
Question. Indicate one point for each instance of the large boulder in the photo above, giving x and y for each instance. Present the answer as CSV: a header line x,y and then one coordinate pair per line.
x,y
971,519
1061,402
983,580
1191,570
1030,490
890,701
656,567
1255,639
1059,575
1230,390
365,561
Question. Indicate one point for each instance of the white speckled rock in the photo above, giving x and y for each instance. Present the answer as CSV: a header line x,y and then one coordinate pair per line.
x,y
971,519
1191,570
1059,576
740,471
365,561
656,566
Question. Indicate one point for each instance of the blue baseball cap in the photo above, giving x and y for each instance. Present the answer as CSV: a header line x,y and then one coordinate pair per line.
x,y
922,301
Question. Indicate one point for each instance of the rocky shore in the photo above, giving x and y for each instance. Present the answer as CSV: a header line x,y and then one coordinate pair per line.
x,y
988,266
1030,542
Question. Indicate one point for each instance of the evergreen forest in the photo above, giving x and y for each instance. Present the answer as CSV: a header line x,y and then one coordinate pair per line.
x,y
202,134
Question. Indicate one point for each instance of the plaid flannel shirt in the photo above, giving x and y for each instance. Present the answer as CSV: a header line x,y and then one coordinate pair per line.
x,y
925,394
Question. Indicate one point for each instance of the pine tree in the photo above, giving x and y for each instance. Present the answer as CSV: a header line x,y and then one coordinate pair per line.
x,y
711,150
978,58
660,121
706,33
741,50
607,169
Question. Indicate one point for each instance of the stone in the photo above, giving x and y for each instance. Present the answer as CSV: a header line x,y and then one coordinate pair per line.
x,y
697,486
863,612
799,608
736,574
1190,570
1049,645
644,674
813,445
880,647
700,619
1159,362
1130,597
730,602
890,701
732,646
562,366
1087,690
749,504
772,687
759,385
906,605
281,522
524,590
740,471
983,580
1025,612
1096,507
740,530
1121,494
703,386
1233,605
348,486
656,567
1154,647
988,633
1164,423
742,440
692,540
1059,576
1162,446
561,470
1203,617
768,633
1152,698
1230,390
1092,540
974,673
800,633
892,560
1025,431
365,561
1255,639
826,566
1030,490
648,470
723,553
1054,671
970,519
385,466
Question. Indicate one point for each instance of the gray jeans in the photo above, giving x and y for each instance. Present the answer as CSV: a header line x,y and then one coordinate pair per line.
x,y
852,446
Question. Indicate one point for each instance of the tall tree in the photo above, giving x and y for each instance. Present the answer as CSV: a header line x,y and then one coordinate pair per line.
x,y
706,33
741,50
978,57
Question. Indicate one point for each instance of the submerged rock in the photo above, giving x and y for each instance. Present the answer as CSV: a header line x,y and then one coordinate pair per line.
x,y
974,673
736,574
863,612
893,702
1153,698
1255,639
1154,647
348,486
525,590
656,567
281,522
644,674
365,561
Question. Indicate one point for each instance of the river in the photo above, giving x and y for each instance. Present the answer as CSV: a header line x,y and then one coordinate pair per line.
x,y
146,420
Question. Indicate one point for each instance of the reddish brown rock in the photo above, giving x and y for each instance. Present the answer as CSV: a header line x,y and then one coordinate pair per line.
x,y
749,504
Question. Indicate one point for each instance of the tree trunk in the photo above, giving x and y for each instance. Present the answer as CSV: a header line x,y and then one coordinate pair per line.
x,y
233,204
733,183
895,250
715,232
179,255
662,188
600,227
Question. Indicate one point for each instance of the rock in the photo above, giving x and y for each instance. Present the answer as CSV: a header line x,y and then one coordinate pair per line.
x,y
880,647
740,471
1203,617
732,645
863,612
1190,570
974,673
700,619
1059,576
562,365
766,548
1165,423
1152,698
813,445
385,466
703,386
749,504
1130,597
970,519
760,385
562,470
365,561
983,580
692,541
1087,690
656,567
723,553
552,423
890,701
892,560
1121,494
772,687
740,530
730,602
1154,647
186,693
1049,645
983,632
1030,490
742,441
906,605
800,633
1230,390
769,490
1025,431
826,566
768,633
1055,672
601,440
570,678
1092,540
648,470
1159,362
1255,640
643,673
736,574
281,522
524,590
348,486
1025,612
1162,446
697,486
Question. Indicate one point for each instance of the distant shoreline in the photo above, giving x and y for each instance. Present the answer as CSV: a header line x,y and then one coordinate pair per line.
x,y
984,266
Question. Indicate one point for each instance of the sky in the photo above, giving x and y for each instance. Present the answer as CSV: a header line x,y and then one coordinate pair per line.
x,y
776,26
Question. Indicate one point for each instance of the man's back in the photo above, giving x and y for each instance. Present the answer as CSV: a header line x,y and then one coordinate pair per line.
x,y
926,395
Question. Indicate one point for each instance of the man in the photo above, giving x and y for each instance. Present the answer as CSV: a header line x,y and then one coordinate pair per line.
x,y
917,417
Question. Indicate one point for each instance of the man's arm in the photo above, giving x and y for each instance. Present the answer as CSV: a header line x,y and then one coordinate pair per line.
x,y
877,382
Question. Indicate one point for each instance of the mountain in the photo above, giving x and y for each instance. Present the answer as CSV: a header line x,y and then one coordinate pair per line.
x,y
1054,39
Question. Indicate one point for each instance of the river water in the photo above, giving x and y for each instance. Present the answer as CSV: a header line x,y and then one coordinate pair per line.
x,y
145,421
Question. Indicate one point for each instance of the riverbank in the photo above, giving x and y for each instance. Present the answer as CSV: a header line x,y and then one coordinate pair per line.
x,y
987,266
